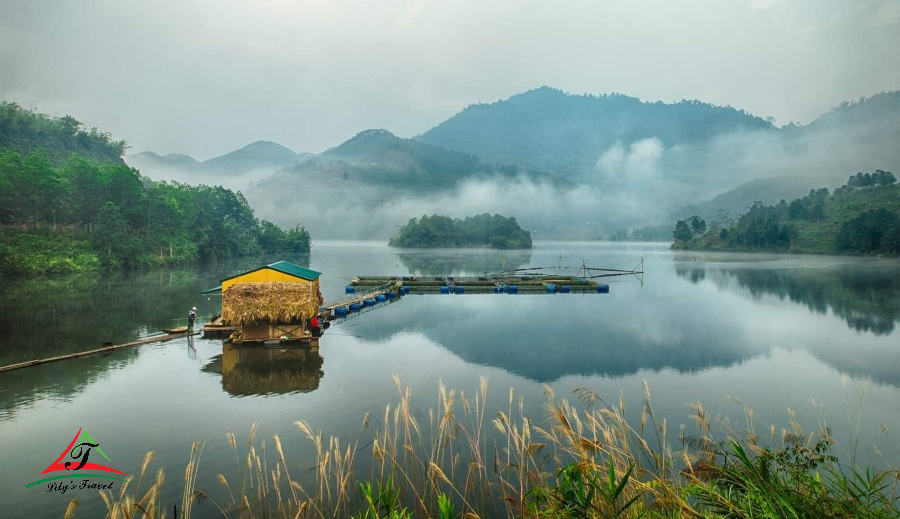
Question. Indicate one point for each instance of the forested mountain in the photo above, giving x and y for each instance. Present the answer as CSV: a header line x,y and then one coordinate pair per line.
x,y
554,131
68,211
671,153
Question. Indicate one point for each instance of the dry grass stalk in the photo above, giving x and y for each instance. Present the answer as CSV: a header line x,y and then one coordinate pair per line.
x,y
449,460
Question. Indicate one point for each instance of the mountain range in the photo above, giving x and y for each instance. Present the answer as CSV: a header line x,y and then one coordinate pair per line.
x,y
579,164
234,169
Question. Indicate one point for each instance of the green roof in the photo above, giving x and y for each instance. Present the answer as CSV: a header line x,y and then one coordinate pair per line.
x,y
295,270
287,268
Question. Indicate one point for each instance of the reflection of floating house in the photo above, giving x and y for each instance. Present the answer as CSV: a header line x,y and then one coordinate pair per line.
x,y
261,371
273,303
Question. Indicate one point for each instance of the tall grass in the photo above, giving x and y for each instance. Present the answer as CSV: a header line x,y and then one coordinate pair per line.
x,y
584,460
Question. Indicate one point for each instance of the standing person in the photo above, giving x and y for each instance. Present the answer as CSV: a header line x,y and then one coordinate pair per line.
x,y
192,315
314,326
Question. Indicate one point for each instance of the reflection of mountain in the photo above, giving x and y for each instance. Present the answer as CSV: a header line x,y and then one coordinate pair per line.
x,y
868,300
462,262
264,371
545,337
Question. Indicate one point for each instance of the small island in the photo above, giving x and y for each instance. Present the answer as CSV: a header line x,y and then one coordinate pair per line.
x,y
484,230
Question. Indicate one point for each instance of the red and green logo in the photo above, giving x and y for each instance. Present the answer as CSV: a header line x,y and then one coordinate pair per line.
x,y
79,451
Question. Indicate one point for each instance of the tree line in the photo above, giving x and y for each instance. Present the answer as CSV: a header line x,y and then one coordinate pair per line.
x,y
484,230
859,217
86,211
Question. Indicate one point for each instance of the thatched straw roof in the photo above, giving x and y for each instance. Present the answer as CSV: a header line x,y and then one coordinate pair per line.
x,y
274,302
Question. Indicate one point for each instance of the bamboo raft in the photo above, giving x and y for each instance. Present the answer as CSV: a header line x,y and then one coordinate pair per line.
x,y
104,349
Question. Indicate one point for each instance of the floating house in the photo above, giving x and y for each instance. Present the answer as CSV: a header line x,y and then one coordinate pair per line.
x,y
273,303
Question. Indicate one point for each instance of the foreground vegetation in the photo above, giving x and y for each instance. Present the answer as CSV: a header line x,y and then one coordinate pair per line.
x,y
76,206
495,232
860,217
587,462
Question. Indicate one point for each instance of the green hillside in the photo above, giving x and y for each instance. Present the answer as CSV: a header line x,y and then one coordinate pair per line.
x,y
25,131
62,209
737,201
860,217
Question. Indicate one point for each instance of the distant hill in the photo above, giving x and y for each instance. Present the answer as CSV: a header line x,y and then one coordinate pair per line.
x,y
551,130
255,160
375,181
24,131
379,157
864,111
260,155
738,200
172,160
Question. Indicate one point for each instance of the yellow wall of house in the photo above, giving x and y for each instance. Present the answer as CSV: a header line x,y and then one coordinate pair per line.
x,y
264,275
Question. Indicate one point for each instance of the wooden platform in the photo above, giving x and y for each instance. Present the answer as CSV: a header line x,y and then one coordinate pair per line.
x,y
261,335
218,330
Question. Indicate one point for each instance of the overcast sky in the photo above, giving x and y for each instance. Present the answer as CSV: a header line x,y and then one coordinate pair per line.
x,y
206,77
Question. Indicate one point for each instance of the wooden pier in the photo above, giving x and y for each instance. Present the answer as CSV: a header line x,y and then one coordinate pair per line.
x,y
369,291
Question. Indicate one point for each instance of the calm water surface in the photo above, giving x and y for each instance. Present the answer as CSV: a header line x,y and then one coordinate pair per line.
x,y
776,332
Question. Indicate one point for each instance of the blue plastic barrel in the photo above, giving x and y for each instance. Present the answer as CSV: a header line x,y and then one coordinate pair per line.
x,y
391,294
445,290
349,290
340,311
564,289
404,290
551,288
603,289
355,306
497,290
513,289
369,302
380,298
460,290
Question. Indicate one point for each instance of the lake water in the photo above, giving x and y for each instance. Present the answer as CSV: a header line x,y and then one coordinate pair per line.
x,y
777,332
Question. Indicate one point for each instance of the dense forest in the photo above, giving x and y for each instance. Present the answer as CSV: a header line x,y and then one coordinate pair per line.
x,y
860,217
68,203
495,232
